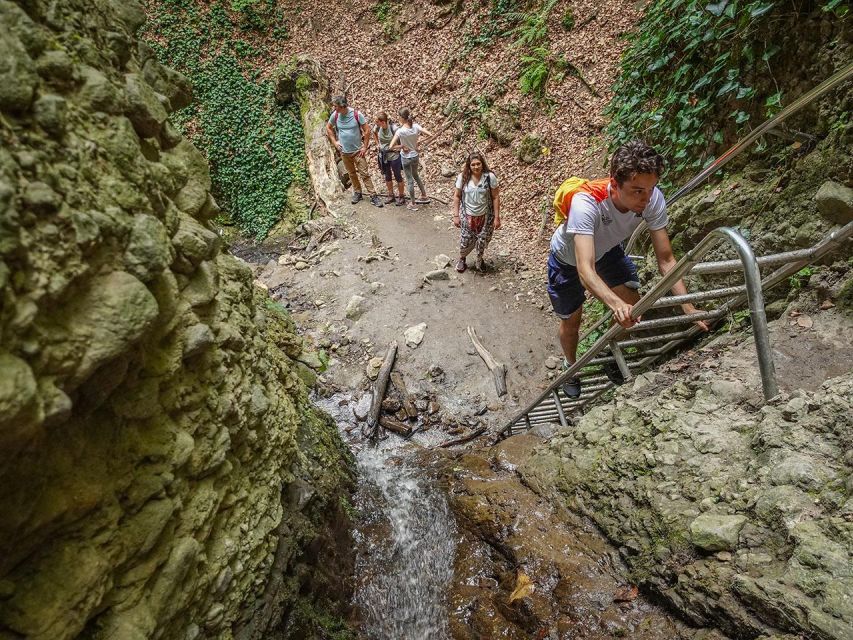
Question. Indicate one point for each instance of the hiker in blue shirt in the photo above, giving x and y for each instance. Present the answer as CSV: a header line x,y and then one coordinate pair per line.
x,y
350,134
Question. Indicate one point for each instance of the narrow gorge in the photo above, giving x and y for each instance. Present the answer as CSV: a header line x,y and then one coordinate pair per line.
x,y
195,322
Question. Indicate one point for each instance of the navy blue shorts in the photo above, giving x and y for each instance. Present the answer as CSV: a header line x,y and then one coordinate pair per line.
x,y
564,284
392,168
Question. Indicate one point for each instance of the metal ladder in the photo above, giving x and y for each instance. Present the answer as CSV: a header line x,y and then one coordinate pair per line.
x,y
637,349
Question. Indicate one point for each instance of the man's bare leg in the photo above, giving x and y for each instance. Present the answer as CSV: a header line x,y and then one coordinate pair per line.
x,y
570,327
569,334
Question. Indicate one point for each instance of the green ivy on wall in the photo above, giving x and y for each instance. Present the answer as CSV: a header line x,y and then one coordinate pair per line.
x,y
689,59
255,147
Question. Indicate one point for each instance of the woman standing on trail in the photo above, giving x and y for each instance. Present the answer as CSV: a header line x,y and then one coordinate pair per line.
x,y
406,140
389,161
476,208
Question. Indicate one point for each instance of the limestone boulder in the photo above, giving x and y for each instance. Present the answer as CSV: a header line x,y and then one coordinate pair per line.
x,y
194,243
18,400
144,108
835,202
107,320
18,77
501,124
148,251
716,532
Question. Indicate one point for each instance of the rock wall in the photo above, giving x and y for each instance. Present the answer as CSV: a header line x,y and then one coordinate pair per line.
x,y
159,458
736,512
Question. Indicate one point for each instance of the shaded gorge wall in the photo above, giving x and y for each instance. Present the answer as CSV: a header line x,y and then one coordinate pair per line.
x,y
163,473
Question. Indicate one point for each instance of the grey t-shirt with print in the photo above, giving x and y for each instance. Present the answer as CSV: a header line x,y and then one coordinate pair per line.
x,y
475,195
605,223
349,131
385,136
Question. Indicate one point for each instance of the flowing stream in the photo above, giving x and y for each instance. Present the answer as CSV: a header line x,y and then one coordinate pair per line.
x,y
405,539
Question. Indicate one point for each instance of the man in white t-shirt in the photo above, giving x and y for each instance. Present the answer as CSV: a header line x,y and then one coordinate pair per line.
x,y
586,250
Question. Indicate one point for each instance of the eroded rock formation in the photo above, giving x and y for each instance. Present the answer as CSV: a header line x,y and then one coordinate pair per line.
x,y
735,511
159,458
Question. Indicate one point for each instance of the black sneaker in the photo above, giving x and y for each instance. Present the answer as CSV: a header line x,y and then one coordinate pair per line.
x,y
572,387
376,201
356,197
614,374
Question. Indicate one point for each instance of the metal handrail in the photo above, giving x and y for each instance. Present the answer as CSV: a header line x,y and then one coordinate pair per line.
x,y
835,80
683,266
838,78
751,292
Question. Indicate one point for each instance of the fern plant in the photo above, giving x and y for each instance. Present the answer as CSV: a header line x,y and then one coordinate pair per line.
x,y
535,71
534,26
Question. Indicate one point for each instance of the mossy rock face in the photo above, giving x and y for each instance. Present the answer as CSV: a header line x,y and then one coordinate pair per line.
x,y
530,149
152,414
728,513
501,124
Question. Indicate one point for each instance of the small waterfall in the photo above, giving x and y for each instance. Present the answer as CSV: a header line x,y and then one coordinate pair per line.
x,y
405,541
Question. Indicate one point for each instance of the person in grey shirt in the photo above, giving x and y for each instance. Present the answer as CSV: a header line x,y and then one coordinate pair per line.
x,y
350,134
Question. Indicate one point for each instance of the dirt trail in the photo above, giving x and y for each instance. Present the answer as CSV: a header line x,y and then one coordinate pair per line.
x,y
507,306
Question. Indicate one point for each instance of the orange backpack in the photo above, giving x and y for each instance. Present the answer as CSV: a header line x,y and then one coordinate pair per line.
x,y
563,197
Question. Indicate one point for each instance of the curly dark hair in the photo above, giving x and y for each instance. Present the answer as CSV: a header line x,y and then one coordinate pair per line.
x,y
466,169
633,158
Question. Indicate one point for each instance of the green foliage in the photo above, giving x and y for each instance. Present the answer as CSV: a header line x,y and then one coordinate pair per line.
x,y
382,11
534,72
538,65
500,21
800,279
838,7
254,146
568,20
594,309
534,26
688,62
310,617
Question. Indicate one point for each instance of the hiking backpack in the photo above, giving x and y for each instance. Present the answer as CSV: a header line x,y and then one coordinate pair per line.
x,y
563,197
335,119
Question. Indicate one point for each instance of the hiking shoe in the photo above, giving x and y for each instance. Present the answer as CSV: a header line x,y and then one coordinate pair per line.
x,y
422,200
460,265
400,201
411,207
389,199
572,388
614,374
376,201
356,197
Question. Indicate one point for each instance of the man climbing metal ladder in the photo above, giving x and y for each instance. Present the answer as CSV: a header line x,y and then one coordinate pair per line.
x,y
586,252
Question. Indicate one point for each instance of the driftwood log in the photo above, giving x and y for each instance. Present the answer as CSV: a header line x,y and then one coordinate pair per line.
x,y
405,398
379,390
464,439
395,425
498,369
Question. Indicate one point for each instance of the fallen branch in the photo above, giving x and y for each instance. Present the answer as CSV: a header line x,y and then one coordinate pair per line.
x,y
379,390
407,401
498,369
463,440
316,241
395,425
